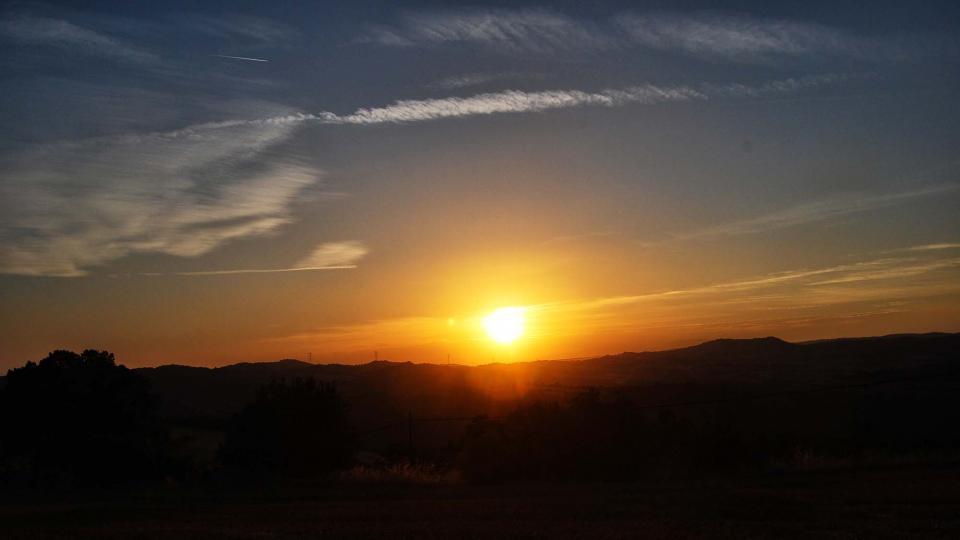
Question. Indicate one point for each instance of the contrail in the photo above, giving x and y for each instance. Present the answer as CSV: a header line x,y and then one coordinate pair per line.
x,y
241,271
240,58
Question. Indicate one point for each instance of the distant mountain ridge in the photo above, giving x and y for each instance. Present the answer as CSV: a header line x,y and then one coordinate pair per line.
x,y
879,371
382,387
715,345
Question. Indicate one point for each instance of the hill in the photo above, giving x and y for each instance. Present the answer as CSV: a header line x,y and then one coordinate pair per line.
x,y
729,401
385,393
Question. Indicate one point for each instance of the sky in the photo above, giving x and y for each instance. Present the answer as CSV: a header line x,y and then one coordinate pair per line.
x,y
214,182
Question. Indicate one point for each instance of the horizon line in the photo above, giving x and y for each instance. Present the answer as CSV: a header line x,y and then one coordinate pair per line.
x,y
569,359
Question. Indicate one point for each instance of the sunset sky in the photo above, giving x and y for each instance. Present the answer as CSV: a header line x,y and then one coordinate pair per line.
x,y
214,182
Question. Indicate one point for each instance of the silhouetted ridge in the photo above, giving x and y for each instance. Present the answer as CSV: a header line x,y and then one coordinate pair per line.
x,y
279,364
887,337
378,389
742,346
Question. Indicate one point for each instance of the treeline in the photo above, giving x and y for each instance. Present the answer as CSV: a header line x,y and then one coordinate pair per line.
x,y
81,420
599,437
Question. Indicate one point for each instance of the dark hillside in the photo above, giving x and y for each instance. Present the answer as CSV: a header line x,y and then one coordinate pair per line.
x,y
903,367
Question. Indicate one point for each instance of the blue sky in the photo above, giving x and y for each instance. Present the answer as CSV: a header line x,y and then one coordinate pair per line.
x,y
207,182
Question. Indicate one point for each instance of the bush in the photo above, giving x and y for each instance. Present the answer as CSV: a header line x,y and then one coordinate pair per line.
x,y
587,439
298,428
592,439
79,419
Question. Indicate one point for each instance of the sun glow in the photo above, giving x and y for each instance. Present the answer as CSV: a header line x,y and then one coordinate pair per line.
x,y
505,325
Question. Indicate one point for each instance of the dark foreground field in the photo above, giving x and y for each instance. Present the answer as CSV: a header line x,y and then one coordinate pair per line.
x,y
898,502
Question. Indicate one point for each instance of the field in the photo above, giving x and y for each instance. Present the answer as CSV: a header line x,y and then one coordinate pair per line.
x,y
893,502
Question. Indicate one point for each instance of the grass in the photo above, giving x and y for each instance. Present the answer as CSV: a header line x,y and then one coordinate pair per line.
x,y
894,502
403,473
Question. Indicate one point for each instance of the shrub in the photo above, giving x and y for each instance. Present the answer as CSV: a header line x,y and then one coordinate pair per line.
x,y
79,418
297,428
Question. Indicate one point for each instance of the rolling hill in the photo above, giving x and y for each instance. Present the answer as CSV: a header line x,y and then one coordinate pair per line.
x,y
721,369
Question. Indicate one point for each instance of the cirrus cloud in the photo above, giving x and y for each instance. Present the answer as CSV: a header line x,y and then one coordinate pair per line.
x,y
734,37
44,31
333,255
71,206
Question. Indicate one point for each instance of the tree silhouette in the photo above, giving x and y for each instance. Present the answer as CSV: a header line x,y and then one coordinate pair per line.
x,y
291,429
585,439
78,419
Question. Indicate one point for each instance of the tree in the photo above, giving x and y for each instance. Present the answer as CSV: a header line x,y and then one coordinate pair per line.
x,y
291,429
79,419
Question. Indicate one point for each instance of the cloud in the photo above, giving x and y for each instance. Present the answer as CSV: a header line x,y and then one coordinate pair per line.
x,y
712,36
781,87
934,247
243,31
42,31
800,288
329,256
515,101
333,255
739,38
511,101
65,208
240,271
893,272
832,208
536,31
476,79
783,300
248,59
73,205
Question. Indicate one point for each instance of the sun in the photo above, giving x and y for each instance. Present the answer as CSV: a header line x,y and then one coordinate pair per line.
x,y
505,325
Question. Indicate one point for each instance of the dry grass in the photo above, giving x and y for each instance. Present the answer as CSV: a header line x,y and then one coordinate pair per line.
x,y
403,473
876,504
803,460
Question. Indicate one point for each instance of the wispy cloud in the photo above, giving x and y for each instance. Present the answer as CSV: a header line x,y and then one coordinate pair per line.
x,y
794,289
248,59
903,269
738,37
467,80
240,271
709,35
537,31
934,247
333,255
515,101
782,301
71,206
328,256
243,31
511,101
812,212
75,205
42,31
